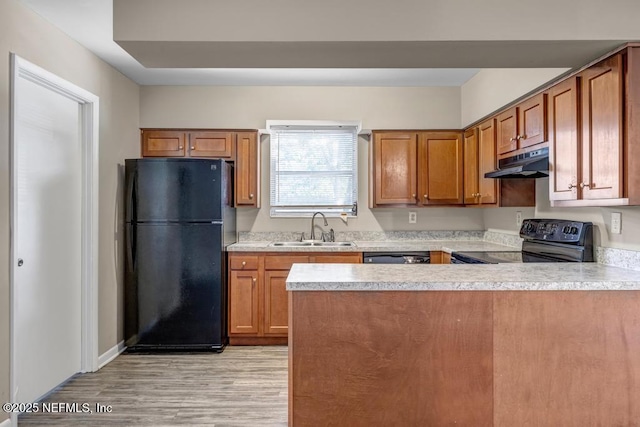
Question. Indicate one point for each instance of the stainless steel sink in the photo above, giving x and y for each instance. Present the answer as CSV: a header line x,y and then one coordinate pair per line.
x,y
307,244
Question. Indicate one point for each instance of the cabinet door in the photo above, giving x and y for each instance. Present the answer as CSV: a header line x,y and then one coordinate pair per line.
x,y
507,131
564,140
471,167
243,302
487,187
394,171
163,143
247,170
219,145
532,121
276,303
440,168
602,166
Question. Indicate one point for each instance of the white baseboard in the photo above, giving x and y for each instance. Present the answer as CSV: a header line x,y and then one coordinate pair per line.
x,y
107,356
6,423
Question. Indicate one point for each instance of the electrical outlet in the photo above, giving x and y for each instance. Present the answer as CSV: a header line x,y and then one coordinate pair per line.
x,y
518,218
412,217
616,222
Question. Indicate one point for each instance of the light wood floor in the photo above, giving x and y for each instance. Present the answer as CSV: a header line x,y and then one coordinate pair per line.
x,y
242,386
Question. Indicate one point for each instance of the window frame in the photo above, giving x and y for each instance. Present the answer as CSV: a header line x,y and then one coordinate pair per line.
x,y
307,211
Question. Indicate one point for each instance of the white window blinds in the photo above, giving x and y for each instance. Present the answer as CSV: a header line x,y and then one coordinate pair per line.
x,y
313,169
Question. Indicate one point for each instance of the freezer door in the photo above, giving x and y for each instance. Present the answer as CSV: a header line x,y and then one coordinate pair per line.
x,y
175,287
181,190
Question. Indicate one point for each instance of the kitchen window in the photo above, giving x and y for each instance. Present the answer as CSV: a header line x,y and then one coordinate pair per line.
x,y
313,168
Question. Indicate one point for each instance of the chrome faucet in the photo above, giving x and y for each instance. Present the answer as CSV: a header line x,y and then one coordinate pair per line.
x,y
313,234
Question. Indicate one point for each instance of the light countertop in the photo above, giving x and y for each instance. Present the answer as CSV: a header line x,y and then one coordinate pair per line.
x,y
461,277
379,246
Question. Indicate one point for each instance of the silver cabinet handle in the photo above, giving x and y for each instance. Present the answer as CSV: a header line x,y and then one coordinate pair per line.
x,y
583,185
573,186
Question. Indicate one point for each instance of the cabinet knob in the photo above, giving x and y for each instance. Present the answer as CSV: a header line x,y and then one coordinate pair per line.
x,y
477,194
513,139
254,280
425,196
251,196
193,148
180,147
244,263
571,186
413,195
583,185
521,137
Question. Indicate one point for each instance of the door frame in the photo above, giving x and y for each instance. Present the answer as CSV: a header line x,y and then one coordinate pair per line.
x,y
89,119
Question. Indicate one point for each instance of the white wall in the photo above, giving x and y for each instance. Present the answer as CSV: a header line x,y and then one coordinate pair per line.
x,y
28,35
492,88
377,107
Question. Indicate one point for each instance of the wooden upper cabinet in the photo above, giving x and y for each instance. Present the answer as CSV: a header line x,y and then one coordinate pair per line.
x,y
602,130
163,143
523,125
564,140
440,164
247,170
480,158
532,121
219,145
507,131
417,168
471,154
239,147
394,168
487,187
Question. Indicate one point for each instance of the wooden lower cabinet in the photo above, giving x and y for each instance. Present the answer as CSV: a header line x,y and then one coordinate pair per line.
x,y
440,257
243,302
258,298
464,358
276,320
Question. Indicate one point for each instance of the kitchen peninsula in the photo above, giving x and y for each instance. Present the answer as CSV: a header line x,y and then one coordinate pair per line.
x,y
480,345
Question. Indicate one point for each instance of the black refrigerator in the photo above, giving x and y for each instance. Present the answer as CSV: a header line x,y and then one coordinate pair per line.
x,y
179,219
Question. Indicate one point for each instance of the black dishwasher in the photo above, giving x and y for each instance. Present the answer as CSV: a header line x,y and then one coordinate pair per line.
x,y
419,257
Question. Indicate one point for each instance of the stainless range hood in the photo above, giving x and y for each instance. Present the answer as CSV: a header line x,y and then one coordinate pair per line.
x,y
534,164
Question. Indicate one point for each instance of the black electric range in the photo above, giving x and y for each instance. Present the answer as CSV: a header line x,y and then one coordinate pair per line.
x,y
545,240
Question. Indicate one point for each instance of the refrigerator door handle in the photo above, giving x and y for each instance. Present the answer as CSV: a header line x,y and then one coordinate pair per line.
x,y
131,205
130,244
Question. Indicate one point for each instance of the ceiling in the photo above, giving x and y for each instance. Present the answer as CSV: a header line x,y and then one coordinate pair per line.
x,y
90,22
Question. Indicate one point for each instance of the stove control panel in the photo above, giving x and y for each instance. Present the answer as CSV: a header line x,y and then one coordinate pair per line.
x,y
556,230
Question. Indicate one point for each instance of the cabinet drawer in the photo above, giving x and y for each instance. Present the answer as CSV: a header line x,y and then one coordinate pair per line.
x,y
283,262
337,259
244,263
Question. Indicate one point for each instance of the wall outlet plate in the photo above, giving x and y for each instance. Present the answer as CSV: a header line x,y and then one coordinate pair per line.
x,y
616,222
519,218
412,217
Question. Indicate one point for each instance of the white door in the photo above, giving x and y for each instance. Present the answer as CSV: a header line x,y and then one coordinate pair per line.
x,y
47,279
